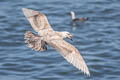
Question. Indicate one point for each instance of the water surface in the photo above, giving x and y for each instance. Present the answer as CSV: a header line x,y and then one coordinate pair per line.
x,y
98,40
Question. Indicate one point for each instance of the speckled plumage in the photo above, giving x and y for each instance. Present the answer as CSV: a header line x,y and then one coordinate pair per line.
x,y
55,39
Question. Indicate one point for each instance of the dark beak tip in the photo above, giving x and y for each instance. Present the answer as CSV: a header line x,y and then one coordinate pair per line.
x,y
71,38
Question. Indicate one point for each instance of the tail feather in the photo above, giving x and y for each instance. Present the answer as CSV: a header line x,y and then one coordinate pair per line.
x,y
35,42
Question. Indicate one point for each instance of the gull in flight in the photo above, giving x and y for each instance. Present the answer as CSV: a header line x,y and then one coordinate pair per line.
x,y
46,35
74,19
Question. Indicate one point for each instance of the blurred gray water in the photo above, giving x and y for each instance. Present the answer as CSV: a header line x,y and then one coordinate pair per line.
x,y
98,40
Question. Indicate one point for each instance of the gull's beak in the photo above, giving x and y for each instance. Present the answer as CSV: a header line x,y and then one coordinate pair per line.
x,y
69,14
70,37
29,12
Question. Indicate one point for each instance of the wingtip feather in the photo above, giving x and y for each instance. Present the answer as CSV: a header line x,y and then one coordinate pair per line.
x,y
78,62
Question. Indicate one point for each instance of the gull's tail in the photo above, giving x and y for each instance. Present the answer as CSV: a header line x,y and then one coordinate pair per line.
x,y
35,42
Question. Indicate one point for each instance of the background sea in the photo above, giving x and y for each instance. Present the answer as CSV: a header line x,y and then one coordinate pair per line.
x,y
97,39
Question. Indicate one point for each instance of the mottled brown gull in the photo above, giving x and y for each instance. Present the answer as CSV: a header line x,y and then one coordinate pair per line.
x,y
46,35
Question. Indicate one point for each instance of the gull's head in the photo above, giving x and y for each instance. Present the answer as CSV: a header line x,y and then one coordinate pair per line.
x,y
66,34
72,13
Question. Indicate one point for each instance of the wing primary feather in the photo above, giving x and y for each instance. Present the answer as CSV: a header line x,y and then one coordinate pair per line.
x,y
37,19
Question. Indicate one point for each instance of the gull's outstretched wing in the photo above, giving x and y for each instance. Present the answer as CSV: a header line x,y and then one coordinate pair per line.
x,y
35,42
71,54
37,20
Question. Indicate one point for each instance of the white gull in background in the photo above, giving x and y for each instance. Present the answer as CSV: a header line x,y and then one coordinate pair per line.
x,y
74,19
46,35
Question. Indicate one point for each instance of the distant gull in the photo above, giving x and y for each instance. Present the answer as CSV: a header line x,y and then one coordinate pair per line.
x,y
46,35
74,19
